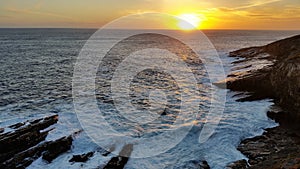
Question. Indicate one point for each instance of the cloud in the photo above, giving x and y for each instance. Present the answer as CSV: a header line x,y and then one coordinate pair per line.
x,y
224,9
243,9
36,12
247,10
259,15
256,4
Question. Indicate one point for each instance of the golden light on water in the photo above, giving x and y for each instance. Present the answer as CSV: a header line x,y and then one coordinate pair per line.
x,y
189,21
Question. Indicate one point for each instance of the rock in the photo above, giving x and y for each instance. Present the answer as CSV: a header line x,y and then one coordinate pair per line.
x,y
291,163
82,157
17,125
120,161
277,78
204,165
27,143
277,146
24,137
25,158
1,130
285,80
106,152
241,164
285,119
55,148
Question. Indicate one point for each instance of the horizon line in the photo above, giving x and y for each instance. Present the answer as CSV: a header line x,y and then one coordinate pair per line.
x,y
92,28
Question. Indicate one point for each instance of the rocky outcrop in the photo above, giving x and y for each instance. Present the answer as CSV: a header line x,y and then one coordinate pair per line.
x,y
24,136
277,148
241,164
82,157
204,165
24,142
120,161
57,147
271,71
20,147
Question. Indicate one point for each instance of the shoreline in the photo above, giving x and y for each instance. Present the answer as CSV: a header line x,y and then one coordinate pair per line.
x,y
278,147
270,71
81,156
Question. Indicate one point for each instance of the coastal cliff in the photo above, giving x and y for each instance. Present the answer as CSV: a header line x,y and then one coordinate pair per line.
x,y
270,71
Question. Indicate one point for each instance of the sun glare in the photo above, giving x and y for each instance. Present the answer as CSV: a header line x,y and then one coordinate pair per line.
x,y
188,21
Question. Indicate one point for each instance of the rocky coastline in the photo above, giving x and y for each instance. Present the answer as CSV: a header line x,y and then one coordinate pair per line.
x,y
270,71
24,142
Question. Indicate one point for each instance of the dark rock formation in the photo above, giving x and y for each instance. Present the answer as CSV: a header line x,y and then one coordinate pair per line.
x,y
24,137
277,148
25,142
19,148
106,152
279,80
199,164
204,165
120,161
57,147
277,76
82,157
241,164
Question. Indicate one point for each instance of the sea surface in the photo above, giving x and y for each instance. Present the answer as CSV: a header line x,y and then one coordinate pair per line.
x,y
36,74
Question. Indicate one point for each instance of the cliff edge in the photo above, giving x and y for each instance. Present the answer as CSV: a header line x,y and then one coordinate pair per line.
x,y
270,71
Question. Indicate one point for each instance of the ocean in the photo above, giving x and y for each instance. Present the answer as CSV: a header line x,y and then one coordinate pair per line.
x,y
38,67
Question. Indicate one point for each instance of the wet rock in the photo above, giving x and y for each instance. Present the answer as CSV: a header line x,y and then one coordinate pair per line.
x,y
204,165
279,80
241,164
82,157
25,158
285,119
55,148
196,164
24,137
106,152
19,148
17,125
278,147
120,161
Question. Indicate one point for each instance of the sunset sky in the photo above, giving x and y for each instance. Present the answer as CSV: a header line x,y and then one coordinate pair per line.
x,y
212,14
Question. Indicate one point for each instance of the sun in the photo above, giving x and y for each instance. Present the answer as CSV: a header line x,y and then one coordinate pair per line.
x,y
188,21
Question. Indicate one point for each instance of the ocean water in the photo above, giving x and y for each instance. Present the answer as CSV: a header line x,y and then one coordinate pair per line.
x,y
37,67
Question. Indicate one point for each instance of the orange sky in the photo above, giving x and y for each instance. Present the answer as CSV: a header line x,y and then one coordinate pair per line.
x,y
214,14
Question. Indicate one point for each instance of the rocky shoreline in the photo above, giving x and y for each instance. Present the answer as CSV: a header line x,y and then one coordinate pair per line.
x,y
270,71
24,142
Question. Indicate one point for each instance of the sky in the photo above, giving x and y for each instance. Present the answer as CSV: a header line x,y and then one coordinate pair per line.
x,y
214,14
